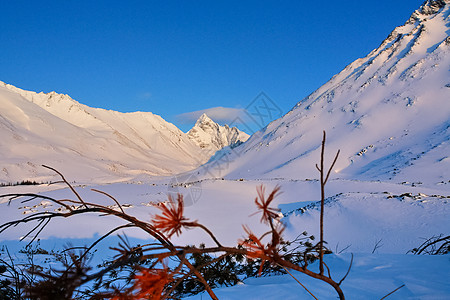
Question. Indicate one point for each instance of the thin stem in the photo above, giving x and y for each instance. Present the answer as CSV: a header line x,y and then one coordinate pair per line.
x,y
99,240
287,271
323,181
348,271
393,292
332,165
202,280
195,224
328,270
39,231
68,184
108,195
322,203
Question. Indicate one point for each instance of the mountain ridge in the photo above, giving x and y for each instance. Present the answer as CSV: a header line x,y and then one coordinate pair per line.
x,y
388,112
74,138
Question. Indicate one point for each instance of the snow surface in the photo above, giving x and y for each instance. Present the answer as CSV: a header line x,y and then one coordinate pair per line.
x,y
371,277
358,215
388,112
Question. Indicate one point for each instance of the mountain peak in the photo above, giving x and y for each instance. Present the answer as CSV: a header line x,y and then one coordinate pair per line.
x,y
428,8
203,119
208,134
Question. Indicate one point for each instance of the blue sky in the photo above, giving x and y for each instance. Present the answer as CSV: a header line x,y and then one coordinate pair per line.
x,y
177,57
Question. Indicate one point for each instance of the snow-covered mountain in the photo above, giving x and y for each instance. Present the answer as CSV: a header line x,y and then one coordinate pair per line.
x,y
209,135
86,144
388,112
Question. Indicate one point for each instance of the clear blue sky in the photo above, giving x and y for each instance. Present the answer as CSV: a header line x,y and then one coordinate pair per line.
x,y
175,57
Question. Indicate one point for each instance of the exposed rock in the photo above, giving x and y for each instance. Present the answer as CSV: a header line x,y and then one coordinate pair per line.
x,y
209,135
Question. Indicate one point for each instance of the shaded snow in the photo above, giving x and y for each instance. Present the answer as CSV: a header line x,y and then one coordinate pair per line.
x,y
371,277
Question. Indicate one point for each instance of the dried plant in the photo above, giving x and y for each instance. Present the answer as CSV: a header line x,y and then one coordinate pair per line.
x,y
436,245
172,220
149,276
263,204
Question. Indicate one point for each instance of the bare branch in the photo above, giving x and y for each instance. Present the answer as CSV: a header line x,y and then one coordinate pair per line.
x,y
322,203
102,238
287,271
323,181
68,184
108,195
209,232
332,166
39,231
32,197
328,270
343,249
348,271
377,245
429,246
393,292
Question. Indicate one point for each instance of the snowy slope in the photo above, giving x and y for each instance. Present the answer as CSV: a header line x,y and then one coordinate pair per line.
x,y
209,135
87,144
359,216
388,112
371,277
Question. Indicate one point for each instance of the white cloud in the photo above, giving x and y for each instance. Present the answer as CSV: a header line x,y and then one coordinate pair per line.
x,y
145,95
224,115
249,121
